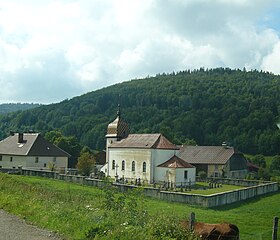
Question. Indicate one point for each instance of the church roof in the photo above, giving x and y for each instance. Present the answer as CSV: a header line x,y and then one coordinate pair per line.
x,y
152,141
206,154
176,162
118,128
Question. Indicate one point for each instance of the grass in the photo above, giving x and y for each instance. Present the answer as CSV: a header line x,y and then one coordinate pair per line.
x,y
72,210
268,159
200,186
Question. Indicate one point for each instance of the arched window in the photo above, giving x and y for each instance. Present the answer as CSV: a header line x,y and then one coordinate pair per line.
x,y
133,166
113,164
144,166
123,165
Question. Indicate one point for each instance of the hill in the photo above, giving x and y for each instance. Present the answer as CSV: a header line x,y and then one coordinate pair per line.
x,y
209,106
13,107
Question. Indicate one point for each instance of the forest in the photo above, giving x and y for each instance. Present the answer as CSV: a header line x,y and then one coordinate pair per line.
x,y
12,107
204,106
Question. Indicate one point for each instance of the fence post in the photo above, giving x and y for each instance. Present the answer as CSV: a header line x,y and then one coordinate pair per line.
x,y
275,228
191,221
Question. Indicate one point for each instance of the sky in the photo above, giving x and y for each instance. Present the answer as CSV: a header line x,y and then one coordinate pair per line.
x,y
51,50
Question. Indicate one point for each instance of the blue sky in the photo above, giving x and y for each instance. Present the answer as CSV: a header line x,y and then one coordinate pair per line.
x,y
56,49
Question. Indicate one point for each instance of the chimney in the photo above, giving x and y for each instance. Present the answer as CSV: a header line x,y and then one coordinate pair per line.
x,y
20,137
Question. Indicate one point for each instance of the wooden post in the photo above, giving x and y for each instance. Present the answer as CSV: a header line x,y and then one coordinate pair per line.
x,y
275,228
191,221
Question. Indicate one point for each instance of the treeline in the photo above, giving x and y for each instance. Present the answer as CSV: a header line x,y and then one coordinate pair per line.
x,y
208,106
13,107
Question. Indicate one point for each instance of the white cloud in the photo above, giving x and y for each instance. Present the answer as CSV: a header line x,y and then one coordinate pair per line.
x,y
271,61
54,49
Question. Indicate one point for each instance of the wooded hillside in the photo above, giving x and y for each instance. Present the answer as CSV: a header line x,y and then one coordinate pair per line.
x,y
13,107
209,106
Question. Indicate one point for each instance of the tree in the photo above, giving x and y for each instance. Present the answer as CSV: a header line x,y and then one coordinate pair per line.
x,y
275,165
259,160
86,163
53,135
68,144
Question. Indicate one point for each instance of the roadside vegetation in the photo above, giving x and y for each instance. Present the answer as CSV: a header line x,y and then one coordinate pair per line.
x,y
269,167
83,212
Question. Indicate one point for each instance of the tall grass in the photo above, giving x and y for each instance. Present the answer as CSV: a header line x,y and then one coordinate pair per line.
x,y
82,212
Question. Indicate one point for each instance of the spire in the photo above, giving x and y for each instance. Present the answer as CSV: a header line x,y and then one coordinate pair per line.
x,y
119,111
118,128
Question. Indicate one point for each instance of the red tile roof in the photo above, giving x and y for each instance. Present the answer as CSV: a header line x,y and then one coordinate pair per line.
x,y
153,141
176,162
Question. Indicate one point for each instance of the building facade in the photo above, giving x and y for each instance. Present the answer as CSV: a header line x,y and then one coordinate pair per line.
x,y
31,150
140,156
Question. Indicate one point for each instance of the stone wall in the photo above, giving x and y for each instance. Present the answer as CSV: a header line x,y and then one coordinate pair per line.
x,y
255,189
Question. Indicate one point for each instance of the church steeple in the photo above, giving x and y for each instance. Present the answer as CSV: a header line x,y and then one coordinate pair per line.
x,y
119,111
118,128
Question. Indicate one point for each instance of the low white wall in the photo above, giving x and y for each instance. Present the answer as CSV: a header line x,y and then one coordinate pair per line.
x,y
213,200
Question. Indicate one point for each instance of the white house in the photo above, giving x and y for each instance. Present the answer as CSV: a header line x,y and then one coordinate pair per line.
x,y
31,150
149,157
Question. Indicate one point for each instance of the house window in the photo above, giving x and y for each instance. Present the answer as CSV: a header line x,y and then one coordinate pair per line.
x,y
113,164
186,174
0,157
36,159
45,164
216,167
123,165
144,166
133,166
11,159
54,159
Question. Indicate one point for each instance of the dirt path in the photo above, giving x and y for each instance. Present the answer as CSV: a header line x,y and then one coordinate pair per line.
x,y
13,228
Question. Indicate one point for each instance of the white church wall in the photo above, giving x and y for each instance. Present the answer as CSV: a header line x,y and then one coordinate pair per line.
x,y
160,156
165,174
180,176
129,155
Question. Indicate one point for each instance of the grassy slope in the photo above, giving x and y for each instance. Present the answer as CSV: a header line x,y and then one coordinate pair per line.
x,y
71,209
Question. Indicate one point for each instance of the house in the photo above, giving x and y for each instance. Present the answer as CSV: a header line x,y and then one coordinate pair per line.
x,y
216,161
148,157
31,150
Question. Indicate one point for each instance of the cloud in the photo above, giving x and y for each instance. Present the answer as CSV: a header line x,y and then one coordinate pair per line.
x,y
52,50
271,61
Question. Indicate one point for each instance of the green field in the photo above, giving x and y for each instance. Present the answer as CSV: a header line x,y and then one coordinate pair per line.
x,y
75,211
200,185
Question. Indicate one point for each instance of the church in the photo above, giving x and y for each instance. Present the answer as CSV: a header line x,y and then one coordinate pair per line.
x,y
152,158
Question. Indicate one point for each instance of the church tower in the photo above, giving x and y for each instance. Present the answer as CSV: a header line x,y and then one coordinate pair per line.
x,y
116,131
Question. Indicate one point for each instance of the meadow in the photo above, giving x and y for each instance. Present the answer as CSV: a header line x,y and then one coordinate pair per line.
x,y
83,212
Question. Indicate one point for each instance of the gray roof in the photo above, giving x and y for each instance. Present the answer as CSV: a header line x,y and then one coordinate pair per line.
x,y
33,144
154,141
206,154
